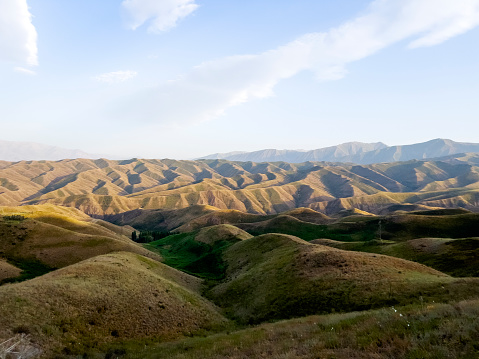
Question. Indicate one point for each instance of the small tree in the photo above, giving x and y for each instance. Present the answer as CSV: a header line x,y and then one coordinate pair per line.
x,y
133,236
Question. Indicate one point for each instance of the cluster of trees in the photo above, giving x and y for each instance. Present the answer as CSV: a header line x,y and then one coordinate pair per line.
x,y
14,217
148,236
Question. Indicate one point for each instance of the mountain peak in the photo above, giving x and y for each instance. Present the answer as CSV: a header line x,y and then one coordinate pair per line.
x,y
357,152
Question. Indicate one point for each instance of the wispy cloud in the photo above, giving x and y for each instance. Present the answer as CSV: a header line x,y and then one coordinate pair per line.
x,y
25,71
164,14
18,36
116,76
213,87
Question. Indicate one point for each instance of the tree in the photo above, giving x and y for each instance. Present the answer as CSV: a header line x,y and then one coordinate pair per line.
x,y
133,236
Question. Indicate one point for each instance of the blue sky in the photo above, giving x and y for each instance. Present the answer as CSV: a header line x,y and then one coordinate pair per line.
x,y
185,78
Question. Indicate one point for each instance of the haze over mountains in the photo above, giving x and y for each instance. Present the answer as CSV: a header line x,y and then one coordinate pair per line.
x,y
27,151
355,152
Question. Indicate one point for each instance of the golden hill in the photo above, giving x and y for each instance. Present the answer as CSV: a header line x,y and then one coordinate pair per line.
x,y
110,298
53,237
105,187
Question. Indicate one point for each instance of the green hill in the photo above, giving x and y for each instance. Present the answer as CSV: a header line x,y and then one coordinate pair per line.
x,y
278,276
456,257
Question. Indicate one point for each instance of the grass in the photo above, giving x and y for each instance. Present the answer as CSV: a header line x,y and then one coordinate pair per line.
x,y
423,331
398,227
456,257
83,306
363,230
41,239
200,252
31,268
276,276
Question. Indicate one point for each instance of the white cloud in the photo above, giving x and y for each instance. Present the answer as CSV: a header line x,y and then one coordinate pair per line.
x,y
212,87
116,76
18,37
164,14
24,71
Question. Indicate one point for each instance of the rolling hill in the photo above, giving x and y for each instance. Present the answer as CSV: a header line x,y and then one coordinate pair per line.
x,y
39,239
277,276
105,188
106,299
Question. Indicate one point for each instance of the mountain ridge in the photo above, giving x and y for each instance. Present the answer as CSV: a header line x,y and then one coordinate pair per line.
x,y
108,187
355,152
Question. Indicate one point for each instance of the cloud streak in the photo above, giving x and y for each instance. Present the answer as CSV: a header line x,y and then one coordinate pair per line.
x,y
115,77
213,87
164,14
24,71
18,36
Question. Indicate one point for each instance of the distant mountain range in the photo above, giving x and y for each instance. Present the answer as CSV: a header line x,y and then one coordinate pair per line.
x,y
27,151
107,187
356,152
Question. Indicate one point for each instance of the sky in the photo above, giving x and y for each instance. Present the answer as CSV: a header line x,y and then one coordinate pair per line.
x,y
187,78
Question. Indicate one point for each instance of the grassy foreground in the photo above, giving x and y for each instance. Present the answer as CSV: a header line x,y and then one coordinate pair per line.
x,y
429,330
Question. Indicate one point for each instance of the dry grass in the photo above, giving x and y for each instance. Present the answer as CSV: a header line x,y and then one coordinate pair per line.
x,y
8,271
106,299
222,232
427,331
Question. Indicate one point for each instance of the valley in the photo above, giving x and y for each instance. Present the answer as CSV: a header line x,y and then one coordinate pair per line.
x,y
76,286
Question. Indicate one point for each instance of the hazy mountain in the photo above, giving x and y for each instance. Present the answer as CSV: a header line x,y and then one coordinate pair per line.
x,y
425,150
330,154
20,151
356,152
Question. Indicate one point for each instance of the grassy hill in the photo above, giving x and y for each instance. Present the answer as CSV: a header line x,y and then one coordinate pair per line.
x,y
278,276
105,188
457,257
38,239
106,299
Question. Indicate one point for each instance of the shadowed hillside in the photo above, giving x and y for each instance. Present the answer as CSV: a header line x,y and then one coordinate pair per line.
x,y
107,188
200,252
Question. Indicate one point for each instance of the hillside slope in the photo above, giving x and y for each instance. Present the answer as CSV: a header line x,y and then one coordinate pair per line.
x,y
38,239
277,276
110,298
106,188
